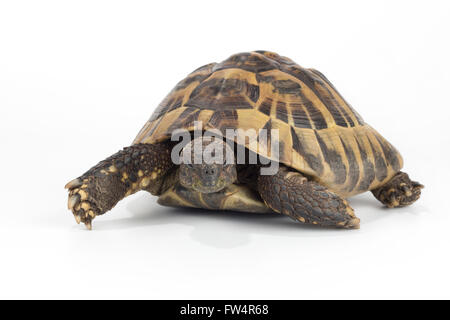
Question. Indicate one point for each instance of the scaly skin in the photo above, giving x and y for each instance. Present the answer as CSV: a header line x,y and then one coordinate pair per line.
x,y
400,191
135,168
291,193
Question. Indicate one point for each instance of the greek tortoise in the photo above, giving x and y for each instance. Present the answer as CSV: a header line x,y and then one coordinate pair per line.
x,y
326,152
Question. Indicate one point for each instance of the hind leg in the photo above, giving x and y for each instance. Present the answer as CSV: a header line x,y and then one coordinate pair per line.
x,y
400,191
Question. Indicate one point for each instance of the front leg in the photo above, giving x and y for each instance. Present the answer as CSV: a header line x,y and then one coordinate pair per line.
x,y
138,167
290,193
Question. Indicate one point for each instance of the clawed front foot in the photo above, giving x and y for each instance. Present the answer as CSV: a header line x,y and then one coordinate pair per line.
x,y
400,191
98,191
81,203
124,173
290,193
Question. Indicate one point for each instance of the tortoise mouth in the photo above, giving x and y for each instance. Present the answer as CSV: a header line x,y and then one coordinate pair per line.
x,y
209,187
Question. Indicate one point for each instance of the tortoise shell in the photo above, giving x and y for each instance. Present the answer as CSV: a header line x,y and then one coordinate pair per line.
x,y
320,134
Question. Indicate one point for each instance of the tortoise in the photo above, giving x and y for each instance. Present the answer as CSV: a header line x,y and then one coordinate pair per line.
x,y
326,152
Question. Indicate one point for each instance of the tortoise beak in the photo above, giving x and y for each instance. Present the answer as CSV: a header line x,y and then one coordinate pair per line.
x,y
208,186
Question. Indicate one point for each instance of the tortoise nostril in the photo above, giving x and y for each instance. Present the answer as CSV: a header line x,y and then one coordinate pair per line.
x,y
210,171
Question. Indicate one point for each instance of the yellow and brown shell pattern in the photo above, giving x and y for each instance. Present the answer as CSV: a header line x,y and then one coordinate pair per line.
x,y
319,132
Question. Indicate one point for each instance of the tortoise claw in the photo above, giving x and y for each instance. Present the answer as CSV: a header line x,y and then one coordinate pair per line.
x,y
73,201
393,201
81,204
406,189
417,185
75,183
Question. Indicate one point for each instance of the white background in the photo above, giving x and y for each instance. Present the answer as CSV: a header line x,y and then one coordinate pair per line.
x,y
78,79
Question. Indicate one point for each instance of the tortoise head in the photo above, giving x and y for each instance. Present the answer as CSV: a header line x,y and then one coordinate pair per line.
x,y
208,165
